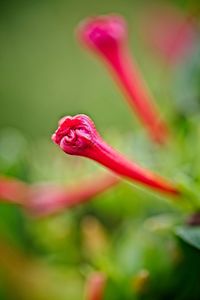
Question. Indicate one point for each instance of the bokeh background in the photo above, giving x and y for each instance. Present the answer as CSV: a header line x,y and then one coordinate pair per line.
x,y
46,74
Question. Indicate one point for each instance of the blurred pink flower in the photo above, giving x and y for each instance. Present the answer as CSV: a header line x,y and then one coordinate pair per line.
x,y
170,33
13,190
107,36
47,199
50,199
95,286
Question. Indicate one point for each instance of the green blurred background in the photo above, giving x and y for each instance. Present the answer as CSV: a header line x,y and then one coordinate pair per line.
x,y
45,74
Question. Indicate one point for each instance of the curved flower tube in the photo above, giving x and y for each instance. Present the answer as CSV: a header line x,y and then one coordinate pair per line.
x,y
48,199
13,190
95,286
107,36
51,199
78,136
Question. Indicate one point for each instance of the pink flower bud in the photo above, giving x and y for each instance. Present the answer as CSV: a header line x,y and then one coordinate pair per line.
x,y
95,286
107,36
78,136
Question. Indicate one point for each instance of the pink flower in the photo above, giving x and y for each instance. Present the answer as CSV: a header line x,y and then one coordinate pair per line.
x,y
168,31
95,286
13,190
78,136
48,199
107,36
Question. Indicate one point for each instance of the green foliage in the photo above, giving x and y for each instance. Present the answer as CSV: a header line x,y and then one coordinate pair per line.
x,y
190,235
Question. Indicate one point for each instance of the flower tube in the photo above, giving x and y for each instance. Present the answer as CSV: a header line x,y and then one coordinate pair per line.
x,y
107,36
13,190
95,286
48,199
78,136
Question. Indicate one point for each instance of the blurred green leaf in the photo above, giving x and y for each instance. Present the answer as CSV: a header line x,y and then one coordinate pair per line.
x,y
186,83
190,235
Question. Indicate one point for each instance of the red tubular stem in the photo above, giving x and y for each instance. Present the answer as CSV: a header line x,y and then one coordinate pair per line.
x,y
126,73
12,190
78,136
95,287
86,190
111,159
48,199
107,37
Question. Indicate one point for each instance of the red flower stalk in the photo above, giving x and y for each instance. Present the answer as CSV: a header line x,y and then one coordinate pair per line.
x,y
107,36
78,136
51,199
13,190
95,286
